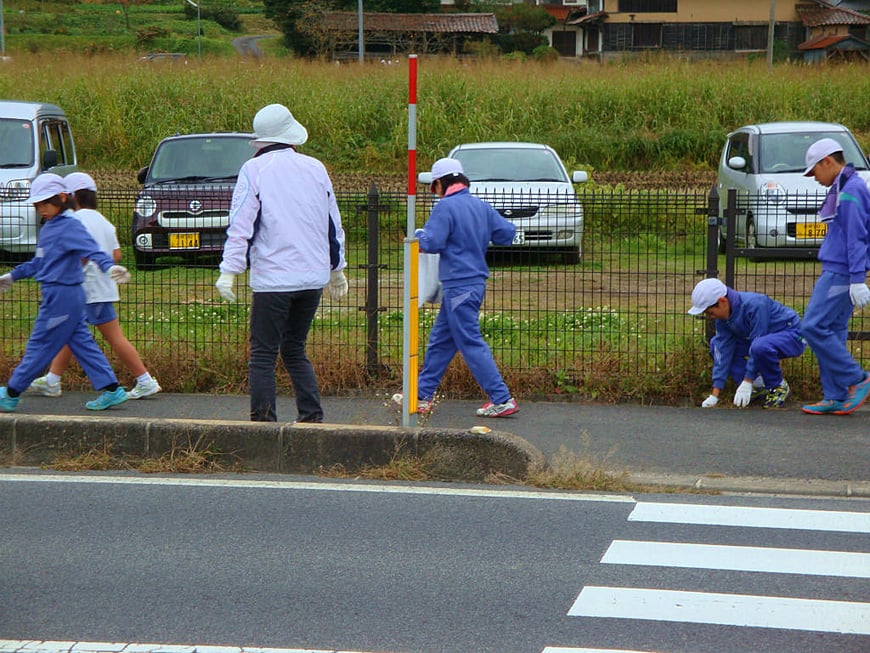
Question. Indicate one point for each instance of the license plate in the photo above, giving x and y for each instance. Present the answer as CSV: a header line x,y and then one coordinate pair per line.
x,y
184,241
810,229
519,237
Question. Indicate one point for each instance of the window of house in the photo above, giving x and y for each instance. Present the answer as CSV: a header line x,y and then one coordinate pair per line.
x,y
750,37
648,6
646,35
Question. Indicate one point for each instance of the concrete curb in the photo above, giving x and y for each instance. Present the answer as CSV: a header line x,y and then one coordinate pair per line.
x,y
756,485
28,440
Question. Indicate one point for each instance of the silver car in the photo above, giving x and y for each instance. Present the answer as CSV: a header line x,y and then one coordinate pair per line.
x,y
528,184
777,205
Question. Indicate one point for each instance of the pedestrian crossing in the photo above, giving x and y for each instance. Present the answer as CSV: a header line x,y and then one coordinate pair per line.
x,y
840,615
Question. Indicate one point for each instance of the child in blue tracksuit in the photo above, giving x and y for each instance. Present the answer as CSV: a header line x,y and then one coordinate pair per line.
x,y
753,333
62,245
842,285
460,229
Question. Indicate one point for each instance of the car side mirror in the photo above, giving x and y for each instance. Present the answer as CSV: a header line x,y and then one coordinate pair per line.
x,y
579,176
143,172
424,178
737,163
49,159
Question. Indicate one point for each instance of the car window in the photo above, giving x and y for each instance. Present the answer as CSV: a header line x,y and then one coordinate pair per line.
x,y
783,153
16,144
200,158
511,164
739,146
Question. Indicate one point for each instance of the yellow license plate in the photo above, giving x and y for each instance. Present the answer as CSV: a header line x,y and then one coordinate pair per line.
x,y
810,229
184,241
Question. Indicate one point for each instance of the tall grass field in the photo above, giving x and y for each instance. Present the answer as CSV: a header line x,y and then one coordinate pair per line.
x,y
656,115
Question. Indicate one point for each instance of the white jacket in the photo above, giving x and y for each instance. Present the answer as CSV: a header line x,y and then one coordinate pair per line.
x,y
282,204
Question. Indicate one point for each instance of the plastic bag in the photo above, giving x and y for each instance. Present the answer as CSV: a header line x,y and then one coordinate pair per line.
x,y
429,289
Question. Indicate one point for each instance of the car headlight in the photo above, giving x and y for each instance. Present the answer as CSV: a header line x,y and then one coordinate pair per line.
x,y
773,193
145,206
562,211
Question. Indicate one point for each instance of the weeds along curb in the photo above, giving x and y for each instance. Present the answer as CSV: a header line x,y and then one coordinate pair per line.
x,y
28,440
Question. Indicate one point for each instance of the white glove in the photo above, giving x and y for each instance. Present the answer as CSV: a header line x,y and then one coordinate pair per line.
x,y
224,285
743,394
119,274
6,282
337,286
860,294
710,401
418,233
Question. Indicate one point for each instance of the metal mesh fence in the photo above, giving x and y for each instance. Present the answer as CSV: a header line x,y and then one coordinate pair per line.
x,y
613,325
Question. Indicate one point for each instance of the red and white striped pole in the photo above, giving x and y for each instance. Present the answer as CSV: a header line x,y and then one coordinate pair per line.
x,y
412,249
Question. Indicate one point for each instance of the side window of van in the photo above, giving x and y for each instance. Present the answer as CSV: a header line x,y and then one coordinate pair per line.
x,y
55,135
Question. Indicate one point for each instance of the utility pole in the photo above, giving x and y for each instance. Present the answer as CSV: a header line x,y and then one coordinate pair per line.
x,y
362,47
770,26
198,30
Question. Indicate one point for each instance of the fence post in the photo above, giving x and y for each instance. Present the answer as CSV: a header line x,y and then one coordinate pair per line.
x,y
372,266
731,227
713,233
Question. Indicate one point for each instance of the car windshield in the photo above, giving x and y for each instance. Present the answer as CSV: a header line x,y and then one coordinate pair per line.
x,y
511,164
200,159
783,153
16,143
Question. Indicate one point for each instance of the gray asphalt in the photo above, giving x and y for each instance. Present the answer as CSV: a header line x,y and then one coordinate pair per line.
x,y
721,448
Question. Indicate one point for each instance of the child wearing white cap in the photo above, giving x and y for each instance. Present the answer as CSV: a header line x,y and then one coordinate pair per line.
x,y
62,244
101,292
842,284
753,333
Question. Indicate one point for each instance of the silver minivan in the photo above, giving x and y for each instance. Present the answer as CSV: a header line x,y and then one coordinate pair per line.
x,y
34,138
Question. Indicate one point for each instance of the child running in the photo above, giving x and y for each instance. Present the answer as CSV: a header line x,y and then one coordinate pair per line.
x,y
62,244
101,292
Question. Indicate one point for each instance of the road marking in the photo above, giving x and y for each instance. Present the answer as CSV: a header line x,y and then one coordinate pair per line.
x,y
562,649
325,486
739,558
723,609
37,646
810,520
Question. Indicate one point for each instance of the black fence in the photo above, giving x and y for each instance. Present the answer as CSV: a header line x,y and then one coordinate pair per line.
x,y
613,326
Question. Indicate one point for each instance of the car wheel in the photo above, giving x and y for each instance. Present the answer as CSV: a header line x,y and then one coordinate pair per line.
x,y
721,244
751,234
144,261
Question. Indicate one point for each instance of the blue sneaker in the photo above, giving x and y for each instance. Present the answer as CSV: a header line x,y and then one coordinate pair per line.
x,y
108,399
857,396
824,407
7,403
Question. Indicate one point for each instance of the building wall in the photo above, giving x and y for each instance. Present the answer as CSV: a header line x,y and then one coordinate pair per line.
x,y
708,11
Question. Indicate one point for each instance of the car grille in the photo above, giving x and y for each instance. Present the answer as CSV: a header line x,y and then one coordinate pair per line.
x,y
514,213
189,218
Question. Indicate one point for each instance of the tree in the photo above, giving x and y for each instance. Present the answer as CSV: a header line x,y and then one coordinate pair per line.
x,y
521,26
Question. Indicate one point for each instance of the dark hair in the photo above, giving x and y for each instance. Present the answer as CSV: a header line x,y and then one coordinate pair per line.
x,y
86,199
55,200
452,178
839,158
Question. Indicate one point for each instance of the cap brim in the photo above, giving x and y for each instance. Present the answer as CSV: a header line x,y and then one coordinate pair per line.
x,y
696,311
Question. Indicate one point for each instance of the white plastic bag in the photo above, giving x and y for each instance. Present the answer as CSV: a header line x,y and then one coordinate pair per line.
x,y
429,289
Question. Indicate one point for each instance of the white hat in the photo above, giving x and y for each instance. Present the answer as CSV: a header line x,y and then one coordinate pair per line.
x,y
444,167
79,181
46,186
705,294
275,124
818,151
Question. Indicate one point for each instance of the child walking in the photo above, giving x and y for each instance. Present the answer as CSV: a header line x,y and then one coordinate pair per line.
x,y
62,244
101,292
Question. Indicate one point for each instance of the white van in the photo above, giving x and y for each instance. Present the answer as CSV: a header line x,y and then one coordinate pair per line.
x,y
34,138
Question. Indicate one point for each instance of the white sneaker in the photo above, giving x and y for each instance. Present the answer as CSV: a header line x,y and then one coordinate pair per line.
x,y
41,386
144,389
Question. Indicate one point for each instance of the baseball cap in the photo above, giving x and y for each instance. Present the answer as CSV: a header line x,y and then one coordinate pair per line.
x,y
818,151
46,186
705,294
79,181
444,167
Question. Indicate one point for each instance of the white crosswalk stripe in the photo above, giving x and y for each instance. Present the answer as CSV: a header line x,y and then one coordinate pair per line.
x,y
820,614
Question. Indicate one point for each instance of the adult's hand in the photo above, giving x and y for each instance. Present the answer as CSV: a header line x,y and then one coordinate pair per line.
x,y
337,286
224,285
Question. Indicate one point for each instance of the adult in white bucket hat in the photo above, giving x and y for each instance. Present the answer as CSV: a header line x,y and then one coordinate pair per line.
x,y
284,219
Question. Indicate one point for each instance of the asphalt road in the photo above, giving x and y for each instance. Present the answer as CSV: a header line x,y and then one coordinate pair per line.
x,y
251,561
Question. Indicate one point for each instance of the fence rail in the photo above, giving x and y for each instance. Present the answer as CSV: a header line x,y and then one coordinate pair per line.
x,y
613,326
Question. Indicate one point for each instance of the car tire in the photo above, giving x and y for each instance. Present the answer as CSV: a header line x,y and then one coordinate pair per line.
x,y
571,257
721,245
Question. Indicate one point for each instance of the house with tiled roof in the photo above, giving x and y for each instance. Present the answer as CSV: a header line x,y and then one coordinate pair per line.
x,y
835,33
